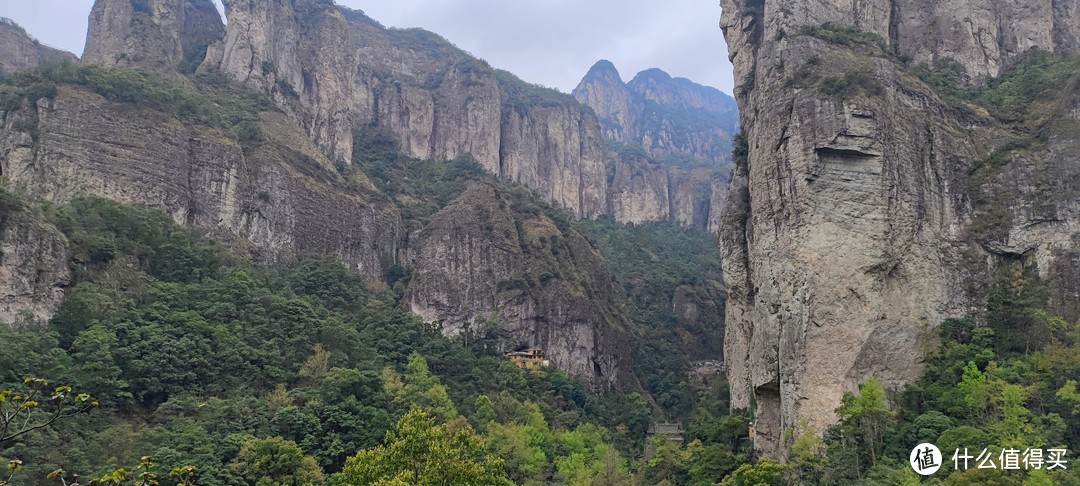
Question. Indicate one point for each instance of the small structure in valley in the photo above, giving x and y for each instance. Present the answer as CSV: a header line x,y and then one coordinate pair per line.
x,y
528,359
665,431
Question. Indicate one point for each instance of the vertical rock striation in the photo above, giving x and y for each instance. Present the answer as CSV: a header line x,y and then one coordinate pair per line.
x,y
79,144
849,234
160,35
34,268
486,256
256,171
337,70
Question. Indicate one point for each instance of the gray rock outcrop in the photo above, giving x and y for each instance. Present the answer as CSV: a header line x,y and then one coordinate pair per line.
x,y
80,144
19,51
337,70
160,35
34,270
853,226
684,131
482,257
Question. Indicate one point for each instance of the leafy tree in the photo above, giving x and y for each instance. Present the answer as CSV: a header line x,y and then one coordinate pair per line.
x,y
712,462
315,368
765,472
670,462
143,475
97,368
36,406
524,455
419,452
808,455
420,389
484,412
866,417
275,461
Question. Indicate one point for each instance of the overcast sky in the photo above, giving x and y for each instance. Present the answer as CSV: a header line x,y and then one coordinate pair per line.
x,y
549,42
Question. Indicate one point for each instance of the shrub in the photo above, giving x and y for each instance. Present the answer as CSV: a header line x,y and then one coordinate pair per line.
x,y
843,35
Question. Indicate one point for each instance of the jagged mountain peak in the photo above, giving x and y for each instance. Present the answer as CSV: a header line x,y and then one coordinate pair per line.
x,y
659,86
603,70
651,108
652,74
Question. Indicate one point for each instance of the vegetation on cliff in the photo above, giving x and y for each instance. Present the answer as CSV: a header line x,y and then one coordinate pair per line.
x,y
200,358
650,263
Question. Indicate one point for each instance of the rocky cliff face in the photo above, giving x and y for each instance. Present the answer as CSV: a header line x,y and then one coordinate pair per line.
x,y
252,175
854,225
281,195
160,35
19,51
684,131
338,70
643,189
34,269
487,256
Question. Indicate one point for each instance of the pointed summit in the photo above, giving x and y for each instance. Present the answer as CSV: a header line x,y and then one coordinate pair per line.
x,y
658,86
603,70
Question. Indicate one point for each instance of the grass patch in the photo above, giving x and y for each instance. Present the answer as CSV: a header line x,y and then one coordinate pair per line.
x,y
521,95
216,102
851,82
1025,91
844,36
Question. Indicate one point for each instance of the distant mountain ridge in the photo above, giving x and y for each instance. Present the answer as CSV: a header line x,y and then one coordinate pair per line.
x,y
666,116
674,142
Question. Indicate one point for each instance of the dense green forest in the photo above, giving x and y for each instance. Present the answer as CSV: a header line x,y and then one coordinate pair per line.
x,y
650,263
199,358
183,352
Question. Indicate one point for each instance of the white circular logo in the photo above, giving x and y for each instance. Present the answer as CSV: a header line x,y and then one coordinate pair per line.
x,y
925,459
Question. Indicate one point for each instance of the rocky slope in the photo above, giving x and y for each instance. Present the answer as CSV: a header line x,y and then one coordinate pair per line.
x,y
684,130
338,70
19,51
34,269
493,254
856,224
279,194
236,163
160,35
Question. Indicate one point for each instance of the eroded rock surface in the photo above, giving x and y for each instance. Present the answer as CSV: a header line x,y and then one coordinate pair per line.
x,y
483,258
684,131
20,51
853,227
338,70
160,35
34,270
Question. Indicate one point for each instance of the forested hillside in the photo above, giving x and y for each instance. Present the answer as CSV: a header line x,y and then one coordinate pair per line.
x,y
200,358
